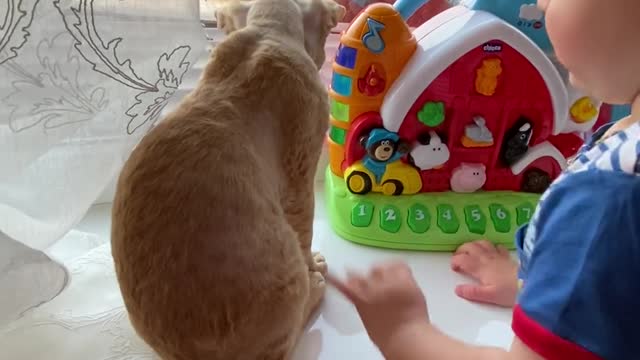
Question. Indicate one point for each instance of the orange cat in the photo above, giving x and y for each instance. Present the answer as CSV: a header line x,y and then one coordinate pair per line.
x,y
213,216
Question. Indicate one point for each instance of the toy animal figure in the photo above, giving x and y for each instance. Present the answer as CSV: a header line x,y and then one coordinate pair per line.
x,y
468,178
431,153
516,141
383,147
213,216
487,76
477,134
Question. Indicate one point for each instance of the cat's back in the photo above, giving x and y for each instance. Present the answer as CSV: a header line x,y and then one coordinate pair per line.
x,y
195,221
192,181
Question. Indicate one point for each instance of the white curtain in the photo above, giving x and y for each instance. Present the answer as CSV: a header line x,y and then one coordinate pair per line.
x,y
81,81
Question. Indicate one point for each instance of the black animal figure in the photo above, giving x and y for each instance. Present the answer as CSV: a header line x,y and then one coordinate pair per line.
x,y
516,141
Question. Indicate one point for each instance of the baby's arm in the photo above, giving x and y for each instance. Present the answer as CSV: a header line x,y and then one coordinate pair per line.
x,y
427,342
394,312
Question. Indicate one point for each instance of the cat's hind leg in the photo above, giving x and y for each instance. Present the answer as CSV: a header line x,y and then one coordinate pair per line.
x,y
282,348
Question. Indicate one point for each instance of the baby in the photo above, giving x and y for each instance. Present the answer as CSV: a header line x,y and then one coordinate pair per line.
x,y
575,292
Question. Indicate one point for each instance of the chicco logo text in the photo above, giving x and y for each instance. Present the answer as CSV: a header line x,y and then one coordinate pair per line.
x,y
489,47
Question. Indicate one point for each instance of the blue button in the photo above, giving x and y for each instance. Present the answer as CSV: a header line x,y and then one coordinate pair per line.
x,y
346,56
341,84
372,39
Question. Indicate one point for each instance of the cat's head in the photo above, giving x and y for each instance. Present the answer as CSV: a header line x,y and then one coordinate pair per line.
x,y
310,20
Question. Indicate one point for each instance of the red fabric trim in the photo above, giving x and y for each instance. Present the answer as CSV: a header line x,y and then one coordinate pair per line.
x,y
544,342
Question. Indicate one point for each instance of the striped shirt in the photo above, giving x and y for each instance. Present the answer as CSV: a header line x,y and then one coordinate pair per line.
x,y
580,254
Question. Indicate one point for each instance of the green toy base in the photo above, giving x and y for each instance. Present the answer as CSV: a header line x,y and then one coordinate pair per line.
x,y
427,221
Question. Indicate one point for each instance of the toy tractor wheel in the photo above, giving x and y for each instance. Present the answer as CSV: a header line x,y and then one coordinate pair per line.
x,y
392,187
536,181
359,183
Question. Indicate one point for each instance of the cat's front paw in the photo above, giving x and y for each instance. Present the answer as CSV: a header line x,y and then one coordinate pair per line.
x,y
318,263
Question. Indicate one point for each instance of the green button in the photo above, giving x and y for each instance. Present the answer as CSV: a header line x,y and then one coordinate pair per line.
x,y
475,219
500,217
524,212
390,219
338,135
419,218
447,219
362,214
340,111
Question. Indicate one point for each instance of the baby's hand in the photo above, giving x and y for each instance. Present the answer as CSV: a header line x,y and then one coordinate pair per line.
x,y
492,267
388,300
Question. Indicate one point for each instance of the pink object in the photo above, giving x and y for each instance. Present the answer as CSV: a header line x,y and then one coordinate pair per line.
x,y
468,178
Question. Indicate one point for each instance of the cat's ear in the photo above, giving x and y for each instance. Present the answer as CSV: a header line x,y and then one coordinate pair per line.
x,y
232,15
336,12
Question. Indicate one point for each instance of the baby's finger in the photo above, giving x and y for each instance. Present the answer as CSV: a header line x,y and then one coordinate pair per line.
x,y
358,284
342,287
503,251
465,264
474,247
486,245
400,266
377,272
478,293
354,288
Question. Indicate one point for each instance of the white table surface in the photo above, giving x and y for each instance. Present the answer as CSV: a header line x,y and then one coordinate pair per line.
x,y
87,320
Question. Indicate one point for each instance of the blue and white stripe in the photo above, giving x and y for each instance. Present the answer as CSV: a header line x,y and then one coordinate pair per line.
x,y
624,152
619,153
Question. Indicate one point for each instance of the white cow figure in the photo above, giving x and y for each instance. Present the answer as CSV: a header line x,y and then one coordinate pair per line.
x,y
431,156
